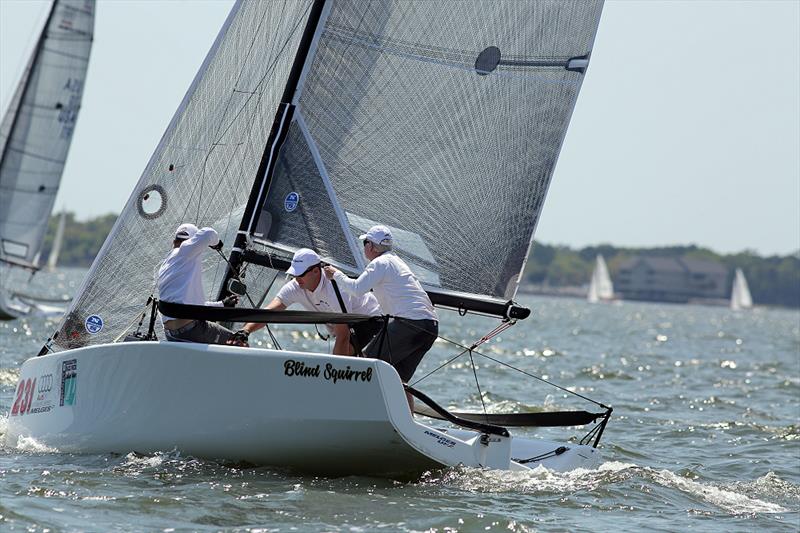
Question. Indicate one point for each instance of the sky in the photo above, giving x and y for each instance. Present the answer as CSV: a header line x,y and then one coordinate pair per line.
x,y
686,131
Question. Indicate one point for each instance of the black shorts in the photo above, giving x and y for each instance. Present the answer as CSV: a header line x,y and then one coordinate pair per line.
x,y
405,343
364,333
201,331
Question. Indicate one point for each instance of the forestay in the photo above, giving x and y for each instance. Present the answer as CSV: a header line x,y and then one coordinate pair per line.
x,y
37,128
442,120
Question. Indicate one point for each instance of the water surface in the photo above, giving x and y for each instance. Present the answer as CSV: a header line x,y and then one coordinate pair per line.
x,y
705,435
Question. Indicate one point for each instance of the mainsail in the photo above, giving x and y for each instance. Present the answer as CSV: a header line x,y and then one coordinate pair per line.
x,y
311,120
600,287
37,129
740,293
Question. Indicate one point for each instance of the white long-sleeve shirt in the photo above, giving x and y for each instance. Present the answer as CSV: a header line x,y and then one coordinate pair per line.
x,y
180,277
324,299
398,291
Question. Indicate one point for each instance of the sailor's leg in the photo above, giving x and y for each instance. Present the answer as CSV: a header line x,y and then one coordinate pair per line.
x,y
201,331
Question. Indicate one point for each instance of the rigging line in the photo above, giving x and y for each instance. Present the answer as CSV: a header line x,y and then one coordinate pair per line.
x,y
228,102
440,367
227,226
236,276
512,367
543,380
274,340
477,384
230,162
263,78
485,338
219,135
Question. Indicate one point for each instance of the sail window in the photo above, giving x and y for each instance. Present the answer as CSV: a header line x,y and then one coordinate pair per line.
x,y
17,249
487,61
152,202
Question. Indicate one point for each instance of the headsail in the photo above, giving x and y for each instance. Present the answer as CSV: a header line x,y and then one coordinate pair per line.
x,y
202,170
37,128
600,287
740,293
311,120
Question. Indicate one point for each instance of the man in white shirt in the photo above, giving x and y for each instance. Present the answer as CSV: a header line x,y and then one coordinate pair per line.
x,y
180,280
415,326
315,292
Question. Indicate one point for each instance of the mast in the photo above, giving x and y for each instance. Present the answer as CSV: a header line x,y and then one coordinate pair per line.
x,y
277,136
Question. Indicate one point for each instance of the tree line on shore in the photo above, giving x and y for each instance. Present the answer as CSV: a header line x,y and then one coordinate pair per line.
x,y
773,280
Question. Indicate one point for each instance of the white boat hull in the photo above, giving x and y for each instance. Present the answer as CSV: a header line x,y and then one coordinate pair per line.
x,y
264,407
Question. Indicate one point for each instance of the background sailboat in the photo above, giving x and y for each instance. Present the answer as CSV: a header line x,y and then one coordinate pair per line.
x,y
740,293
35,136
600,286
52,259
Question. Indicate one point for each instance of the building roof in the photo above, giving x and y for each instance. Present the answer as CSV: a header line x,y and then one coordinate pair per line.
x,y
703,266
659,264
672,264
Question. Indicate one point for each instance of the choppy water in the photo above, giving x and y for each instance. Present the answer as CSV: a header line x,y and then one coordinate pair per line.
x,y
705,436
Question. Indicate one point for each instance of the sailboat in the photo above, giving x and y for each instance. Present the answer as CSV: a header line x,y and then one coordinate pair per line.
x,y
35,136
740,293
55,250
308,122
600,286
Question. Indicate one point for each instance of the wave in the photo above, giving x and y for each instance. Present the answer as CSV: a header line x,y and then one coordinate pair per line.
x,y
740,498
9,377
31,445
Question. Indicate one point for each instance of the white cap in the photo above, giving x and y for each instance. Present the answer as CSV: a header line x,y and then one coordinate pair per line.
x,y
303,259
185,231
378,235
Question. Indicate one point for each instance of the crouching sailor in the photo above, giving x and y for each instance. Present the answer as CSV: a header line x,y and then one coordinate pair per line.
x,y
415,326
314,292
180,280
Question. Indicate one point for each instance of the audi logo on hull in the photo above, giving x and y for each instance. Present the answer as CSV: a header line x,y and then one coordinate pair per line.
x,y
45,383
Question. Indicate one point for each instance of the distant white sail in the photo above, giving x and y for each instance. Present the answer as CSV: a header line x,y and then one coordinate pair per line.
x,y
56,249
740,294
600,287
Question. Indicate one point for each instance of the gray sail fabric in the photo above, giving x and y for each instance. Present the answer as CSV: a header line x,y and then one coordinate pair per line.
x,y
420,128
298,212
201,172
37,129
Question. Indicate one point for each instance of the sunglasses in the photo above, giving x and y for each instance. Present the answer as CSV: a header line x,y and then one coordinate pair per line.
x,y
309,269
